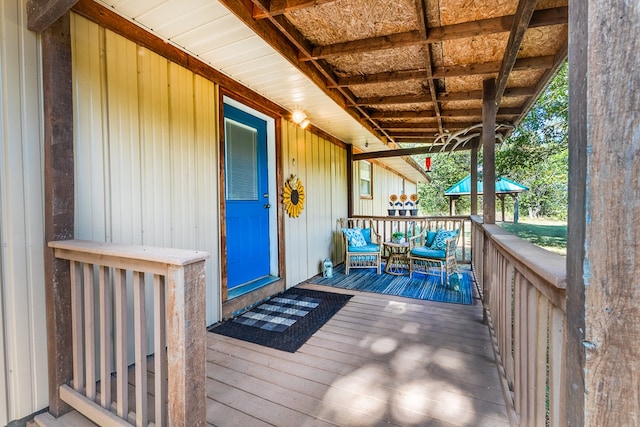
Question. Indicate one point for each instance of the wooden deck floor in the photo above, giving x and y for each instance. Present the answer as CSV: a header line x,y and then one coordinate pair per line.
x,y
381,360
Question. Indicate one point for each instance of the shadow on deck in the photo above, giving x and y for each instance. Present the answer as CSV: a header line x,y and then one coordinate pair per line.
x,y
381,360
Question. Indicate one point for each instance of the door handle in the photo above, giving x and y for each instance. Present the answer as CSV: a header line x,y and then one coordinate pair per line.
x,y
267,205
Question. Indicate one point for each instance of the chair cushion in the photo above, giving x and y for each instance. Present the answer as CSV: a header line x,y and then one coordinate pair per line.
x,y
430,237
424,252
441,236
354,237
365,248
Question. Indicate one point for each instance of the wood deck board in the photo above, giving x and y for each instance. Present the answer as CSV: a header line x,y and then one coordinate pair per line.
x,y
381,360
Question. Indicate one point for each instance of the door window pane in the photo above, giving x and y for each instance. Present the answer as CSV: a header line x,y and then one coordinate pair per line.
x,y
241,151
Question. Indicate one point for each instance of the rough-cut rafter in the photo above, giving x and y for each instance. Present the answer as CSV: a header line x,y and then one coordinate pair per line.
x,y
280,7
520,24
540,62
502,24
422,24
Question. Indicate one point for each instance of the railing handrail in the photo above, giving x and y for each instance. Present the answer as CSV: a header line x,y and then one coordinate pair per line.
x,y
546,270
118,255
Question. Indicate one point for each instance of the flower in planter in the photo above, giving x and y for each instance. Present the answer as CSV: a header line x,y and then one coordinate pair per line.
x,y
392,199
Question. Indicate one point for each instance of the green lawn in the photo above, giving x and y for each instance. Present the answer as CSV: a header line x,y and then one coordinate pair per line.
x,y
551,235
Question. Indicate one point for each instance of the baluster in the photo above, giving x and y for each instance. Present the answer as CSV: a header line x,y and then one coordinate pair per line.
x,y
76,326
122,383
140,328
89,332
160,339
105,337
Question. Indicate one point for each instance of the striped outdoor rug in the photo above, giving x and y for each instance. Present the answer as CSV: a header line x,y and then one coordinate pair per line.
x,y
460,290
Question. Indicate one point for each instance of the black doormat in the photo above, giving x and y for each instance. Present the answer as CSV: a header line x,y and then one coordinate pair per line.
x,y
285,321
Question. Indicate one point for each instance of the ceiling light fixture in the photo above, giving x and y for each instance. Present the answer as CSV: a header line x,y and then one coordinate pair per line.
x,y
305,123
298,117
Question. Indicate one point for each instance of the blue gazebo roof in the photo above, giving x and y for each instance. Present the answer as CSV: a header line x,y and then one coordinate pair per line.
x,y
503,185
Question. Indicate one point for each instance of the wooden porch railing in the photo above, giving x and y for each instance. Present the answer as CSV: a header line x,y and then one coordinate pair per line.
x,y
386,225
525,304
102,278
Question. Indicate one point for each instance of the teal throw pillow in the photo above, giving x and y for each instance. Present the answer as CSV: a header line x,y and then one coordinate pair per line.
x,y
355,237
430,236
366,233
441,236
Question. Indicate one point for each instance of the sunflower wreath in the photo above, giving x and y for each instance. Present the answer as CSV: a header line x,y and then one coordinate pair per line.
x,y
293,196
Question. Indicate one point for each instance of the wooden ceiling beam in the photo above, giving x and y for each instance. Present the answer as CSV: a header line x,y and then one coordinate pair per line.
x,y
523,15
404,152
422,25
423,125
540,18
279,7
42,14
477,94
443,97
539,62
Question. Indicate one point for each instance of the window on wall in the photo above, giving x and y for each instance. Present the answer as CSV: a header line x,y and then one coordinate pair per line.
x,y
365,180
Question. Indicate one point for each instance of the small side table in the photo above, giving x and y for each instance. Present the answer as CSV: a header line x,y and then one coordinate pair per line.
x,y
398,262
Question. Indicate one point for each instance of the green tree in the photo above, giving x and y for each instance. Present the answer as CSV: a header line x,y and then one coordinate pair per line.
x,y
536,153
446,170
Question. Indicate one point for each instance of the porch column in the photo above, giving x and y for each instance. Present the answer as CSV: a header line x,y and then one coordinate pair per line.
x,y
349,180
59,202
489,151
603,314
474,178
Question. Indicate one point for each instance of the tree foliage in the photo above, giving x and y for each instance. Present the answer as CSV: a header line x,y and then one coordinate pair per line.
x,y
535,155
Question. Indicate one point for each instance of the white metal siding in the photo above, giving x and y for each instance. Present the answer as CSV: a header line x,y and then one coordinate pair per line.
x,y
385,183
312,237
23,356
146,149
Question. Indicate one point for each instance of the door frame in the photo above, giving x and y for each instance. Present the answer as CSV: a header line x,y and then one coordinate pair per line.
x,y
276,240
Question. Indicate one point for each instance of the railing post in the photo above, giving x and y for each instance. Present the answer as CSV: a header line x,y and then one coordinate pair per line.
x,y
186,344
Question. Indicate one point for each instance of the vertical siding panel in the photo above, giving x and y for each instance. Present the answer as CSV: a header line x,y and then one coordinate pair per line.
x,y
155,149
206,137
89,144
181,116
124,139
23,360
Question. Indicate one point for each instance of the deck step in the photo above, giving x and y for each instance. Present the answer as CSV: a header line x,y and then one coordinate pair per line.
x,y
70,419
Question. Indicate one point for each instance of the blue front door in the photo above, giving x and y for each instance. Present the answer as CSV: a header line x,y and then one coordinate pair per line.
x,y
247,197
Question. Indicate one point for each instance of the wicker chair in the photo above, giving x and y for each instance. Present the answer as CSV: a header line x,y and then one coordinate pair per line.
x,y
435,261
367,255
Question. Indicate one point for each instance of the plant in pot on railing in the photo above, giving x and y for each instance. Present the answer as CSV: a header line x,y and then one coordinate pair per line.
x,y
397,237
393,198
413,200
403,209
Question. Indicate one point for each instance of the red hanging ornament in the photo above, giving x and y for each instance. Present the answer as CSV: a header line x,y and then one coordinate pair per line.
x,y
427,164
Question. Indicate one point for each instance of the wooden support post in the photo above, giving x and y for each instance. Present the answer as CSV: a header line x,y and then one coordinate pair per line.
x,y
474,178
349,181
489,151
59,202
186,345
603,315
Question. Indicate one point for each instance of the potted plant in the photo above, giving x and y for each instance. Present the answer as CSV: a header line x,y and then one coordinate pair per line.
x,y
393,198
397,237
414,204
403,210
